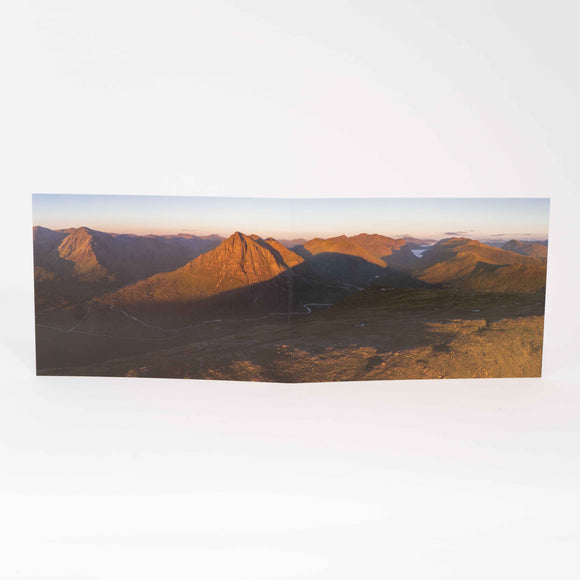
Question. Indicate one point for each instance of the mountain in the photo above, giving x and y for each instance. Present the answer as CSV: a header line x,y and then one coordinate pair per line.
x,y
188,238
379,246
46,236
292,243
44,242
290,258
499,243
416,243
238,262
358,260
531,249
338,245
392,252
469,264
374,248
88,255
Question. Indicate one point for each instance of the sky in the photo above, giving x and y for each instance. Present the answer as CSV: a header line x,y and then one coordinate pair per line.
x,y
431,218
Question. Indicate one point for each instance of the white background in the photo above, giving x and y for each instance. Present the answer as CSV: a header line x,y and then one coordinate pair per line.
x,y
121,478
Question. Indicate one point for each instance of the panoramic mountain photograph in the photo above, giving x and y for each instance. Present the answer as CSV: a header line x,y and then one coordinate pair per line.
x,y
289,290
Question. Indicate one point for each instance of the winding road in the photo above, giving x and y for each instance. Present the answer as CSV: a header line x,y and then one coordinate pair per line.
x,y
172,331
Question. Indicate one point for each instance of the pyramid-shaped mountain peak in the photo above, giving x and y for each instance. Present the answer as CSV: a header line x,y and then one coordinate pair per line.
x,y
239,261
259,260
83,231
239,238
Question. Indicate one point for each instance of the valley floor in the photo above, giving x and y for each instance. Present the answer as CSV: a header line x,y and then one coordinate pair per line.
x,y
379,333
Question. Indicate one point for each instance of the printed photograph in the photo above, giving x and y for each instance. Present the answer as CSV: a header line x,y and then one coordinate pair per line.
x,y
289,290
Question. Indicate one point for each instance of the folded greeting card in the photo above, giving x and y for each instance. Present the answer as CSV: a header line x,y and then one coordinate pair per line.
x,y
289,290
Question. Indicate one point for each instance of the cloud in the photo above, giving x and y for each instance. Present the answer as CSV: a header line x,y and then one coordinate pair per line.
x,y
460,233
512,234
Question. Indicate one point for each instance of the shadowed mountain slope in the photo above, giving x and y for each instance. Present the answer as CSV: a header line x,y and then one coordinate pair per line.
x,y
291,259
46,237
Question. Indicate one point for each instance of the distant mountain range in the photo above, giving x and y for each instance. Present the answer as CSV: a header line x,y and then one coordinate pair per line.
x,y
415,243
501,243
145,271
532,249
292,243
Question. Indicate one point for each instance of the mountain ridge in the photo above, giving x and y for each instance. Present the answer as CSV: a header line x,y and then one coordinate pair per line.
x,y
89,255
469,264
530,249
239,261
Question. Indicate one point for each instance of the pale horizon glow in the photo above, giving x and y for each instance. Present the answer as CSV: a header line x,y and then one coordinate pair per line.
x,y
427,218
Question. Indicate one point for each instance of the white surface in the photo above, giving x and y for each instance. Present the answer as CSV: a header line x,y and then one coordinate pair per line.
x,y
123,478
